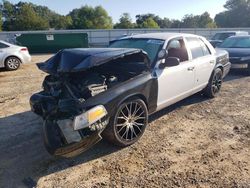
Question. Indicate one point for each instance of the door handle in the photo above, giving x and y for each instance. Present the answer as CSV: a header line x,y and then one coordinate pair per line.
x,y
190,68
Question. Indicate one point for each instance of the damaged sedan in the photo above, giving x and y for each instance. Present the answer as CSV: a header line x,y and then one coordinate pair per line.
x,y
110,92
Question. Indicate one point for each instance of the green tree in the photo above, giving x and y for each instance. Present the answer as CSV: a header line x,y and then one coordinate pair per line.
x,y
150,23
236,15
60,22
101,18
27,19
223,20
189,21
211,25
198,21
164,23
125,22
8,12
143,18
235,4
175,23
140,18
88,17
205,21
55,20
42,17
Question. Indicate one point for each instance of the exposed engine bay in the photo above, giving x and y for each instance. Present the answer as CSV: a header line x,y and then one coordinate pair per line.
x,y
69,128
86,84
80,86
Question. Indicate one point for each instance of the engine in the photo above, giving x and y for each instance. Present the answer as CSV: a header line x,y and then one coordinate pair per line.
x,y
78,86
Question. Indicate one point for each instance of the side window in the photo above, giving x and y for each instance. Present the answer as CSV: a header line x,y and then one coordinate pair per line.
x,y
176,48
204,47
195,47
3,45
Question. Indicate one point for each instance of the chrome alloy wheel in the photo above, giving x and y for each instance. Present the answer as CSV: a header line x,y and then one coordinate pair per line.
x,y
131,121
217,83
12,63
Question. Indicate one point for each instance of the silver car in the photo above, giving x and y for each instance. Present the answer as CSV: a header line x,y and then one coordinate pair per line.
x,y
12,56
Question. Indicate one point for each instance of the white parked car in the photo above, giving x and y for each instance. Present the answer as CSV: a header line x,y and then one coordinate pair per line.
x,y
12,56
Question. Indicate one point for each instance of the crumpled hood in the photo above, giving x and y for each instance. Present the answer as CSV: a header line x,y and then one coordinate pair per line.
x,y
80,59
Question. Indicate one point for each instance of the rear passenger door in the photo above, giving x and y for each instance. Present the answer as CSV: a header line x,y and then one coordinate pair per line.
x,y
203,61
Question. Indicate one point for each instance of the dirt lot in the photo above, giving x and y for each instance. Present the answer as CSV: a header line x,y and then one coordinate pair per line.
x,y
195,143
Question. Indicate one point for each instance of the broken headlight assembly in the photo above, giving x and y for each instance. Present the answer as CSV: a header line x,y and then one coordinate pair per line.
x,y
89,117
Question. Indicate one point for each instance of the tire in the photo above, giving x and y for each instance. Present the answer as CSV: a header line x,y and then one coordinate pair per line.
x,y
12,63
248,69
128,123
214,85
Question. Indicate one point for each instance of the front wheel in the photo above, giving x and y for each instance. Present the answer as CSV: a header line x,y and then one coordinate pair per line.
x,y
128,123
214,85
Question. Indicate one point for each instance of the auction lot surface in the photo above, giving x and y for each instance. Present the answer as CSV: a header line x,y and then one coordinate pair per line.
x,y
195,143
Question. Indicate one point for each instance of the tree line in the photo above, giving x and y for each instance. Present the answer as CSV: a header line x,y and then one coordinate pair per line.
x,y
28,16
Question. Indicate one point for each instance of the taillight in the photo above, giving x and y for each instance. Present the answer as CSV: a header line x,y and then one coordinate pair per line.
x,y
24,49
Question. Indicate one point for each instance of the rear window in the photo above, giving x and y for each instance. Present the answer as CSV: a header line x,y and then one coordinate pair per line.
x,y
197,47
2,45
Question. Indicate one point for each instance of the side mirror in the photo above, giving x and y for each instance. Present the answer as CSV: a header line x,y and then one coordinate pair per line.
x,y
170,62
162,54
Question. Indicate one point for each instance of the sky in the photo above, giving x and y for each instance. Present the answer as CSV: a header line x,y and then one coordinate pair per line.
x,y
173,9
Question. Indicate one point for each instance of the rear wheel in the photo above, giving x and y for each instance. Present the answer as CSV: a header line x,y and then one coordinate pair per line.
x,y
128,124
214,85
12,63
248,69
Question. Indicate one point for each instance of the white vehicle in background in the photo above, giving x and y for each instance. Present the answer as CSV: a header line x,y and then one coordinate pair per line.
x,y
12,56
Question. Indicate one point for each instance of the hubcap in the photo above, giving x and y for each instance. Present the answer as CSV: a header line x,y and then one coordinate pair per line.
x,y
216,84
13,63
130,121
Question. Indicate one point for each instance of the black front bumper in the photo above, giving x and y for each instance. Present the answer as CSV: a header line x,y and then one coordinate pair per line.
x,y
57,145
55,138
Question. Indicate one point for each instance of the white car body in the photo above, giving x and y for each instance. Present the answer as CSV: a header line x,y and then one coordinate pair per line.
x,y
11,50
191,76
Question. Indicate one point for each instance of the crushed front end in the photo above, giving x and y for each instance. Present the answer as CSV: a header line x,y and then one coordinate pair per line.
x,y
68,128
80,93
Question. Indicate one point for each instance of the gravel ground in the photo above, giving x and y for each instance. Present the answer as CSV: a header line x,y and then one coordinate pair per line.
x,y
195,143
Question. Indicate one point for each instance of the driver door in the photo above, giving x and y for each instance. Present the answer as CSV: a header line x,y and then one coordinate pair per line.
x,y
177,82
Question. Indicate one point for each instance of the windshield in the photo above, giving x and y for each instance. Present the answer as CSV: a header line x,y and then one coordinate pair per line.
x,y
222,36
151,46
242,42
